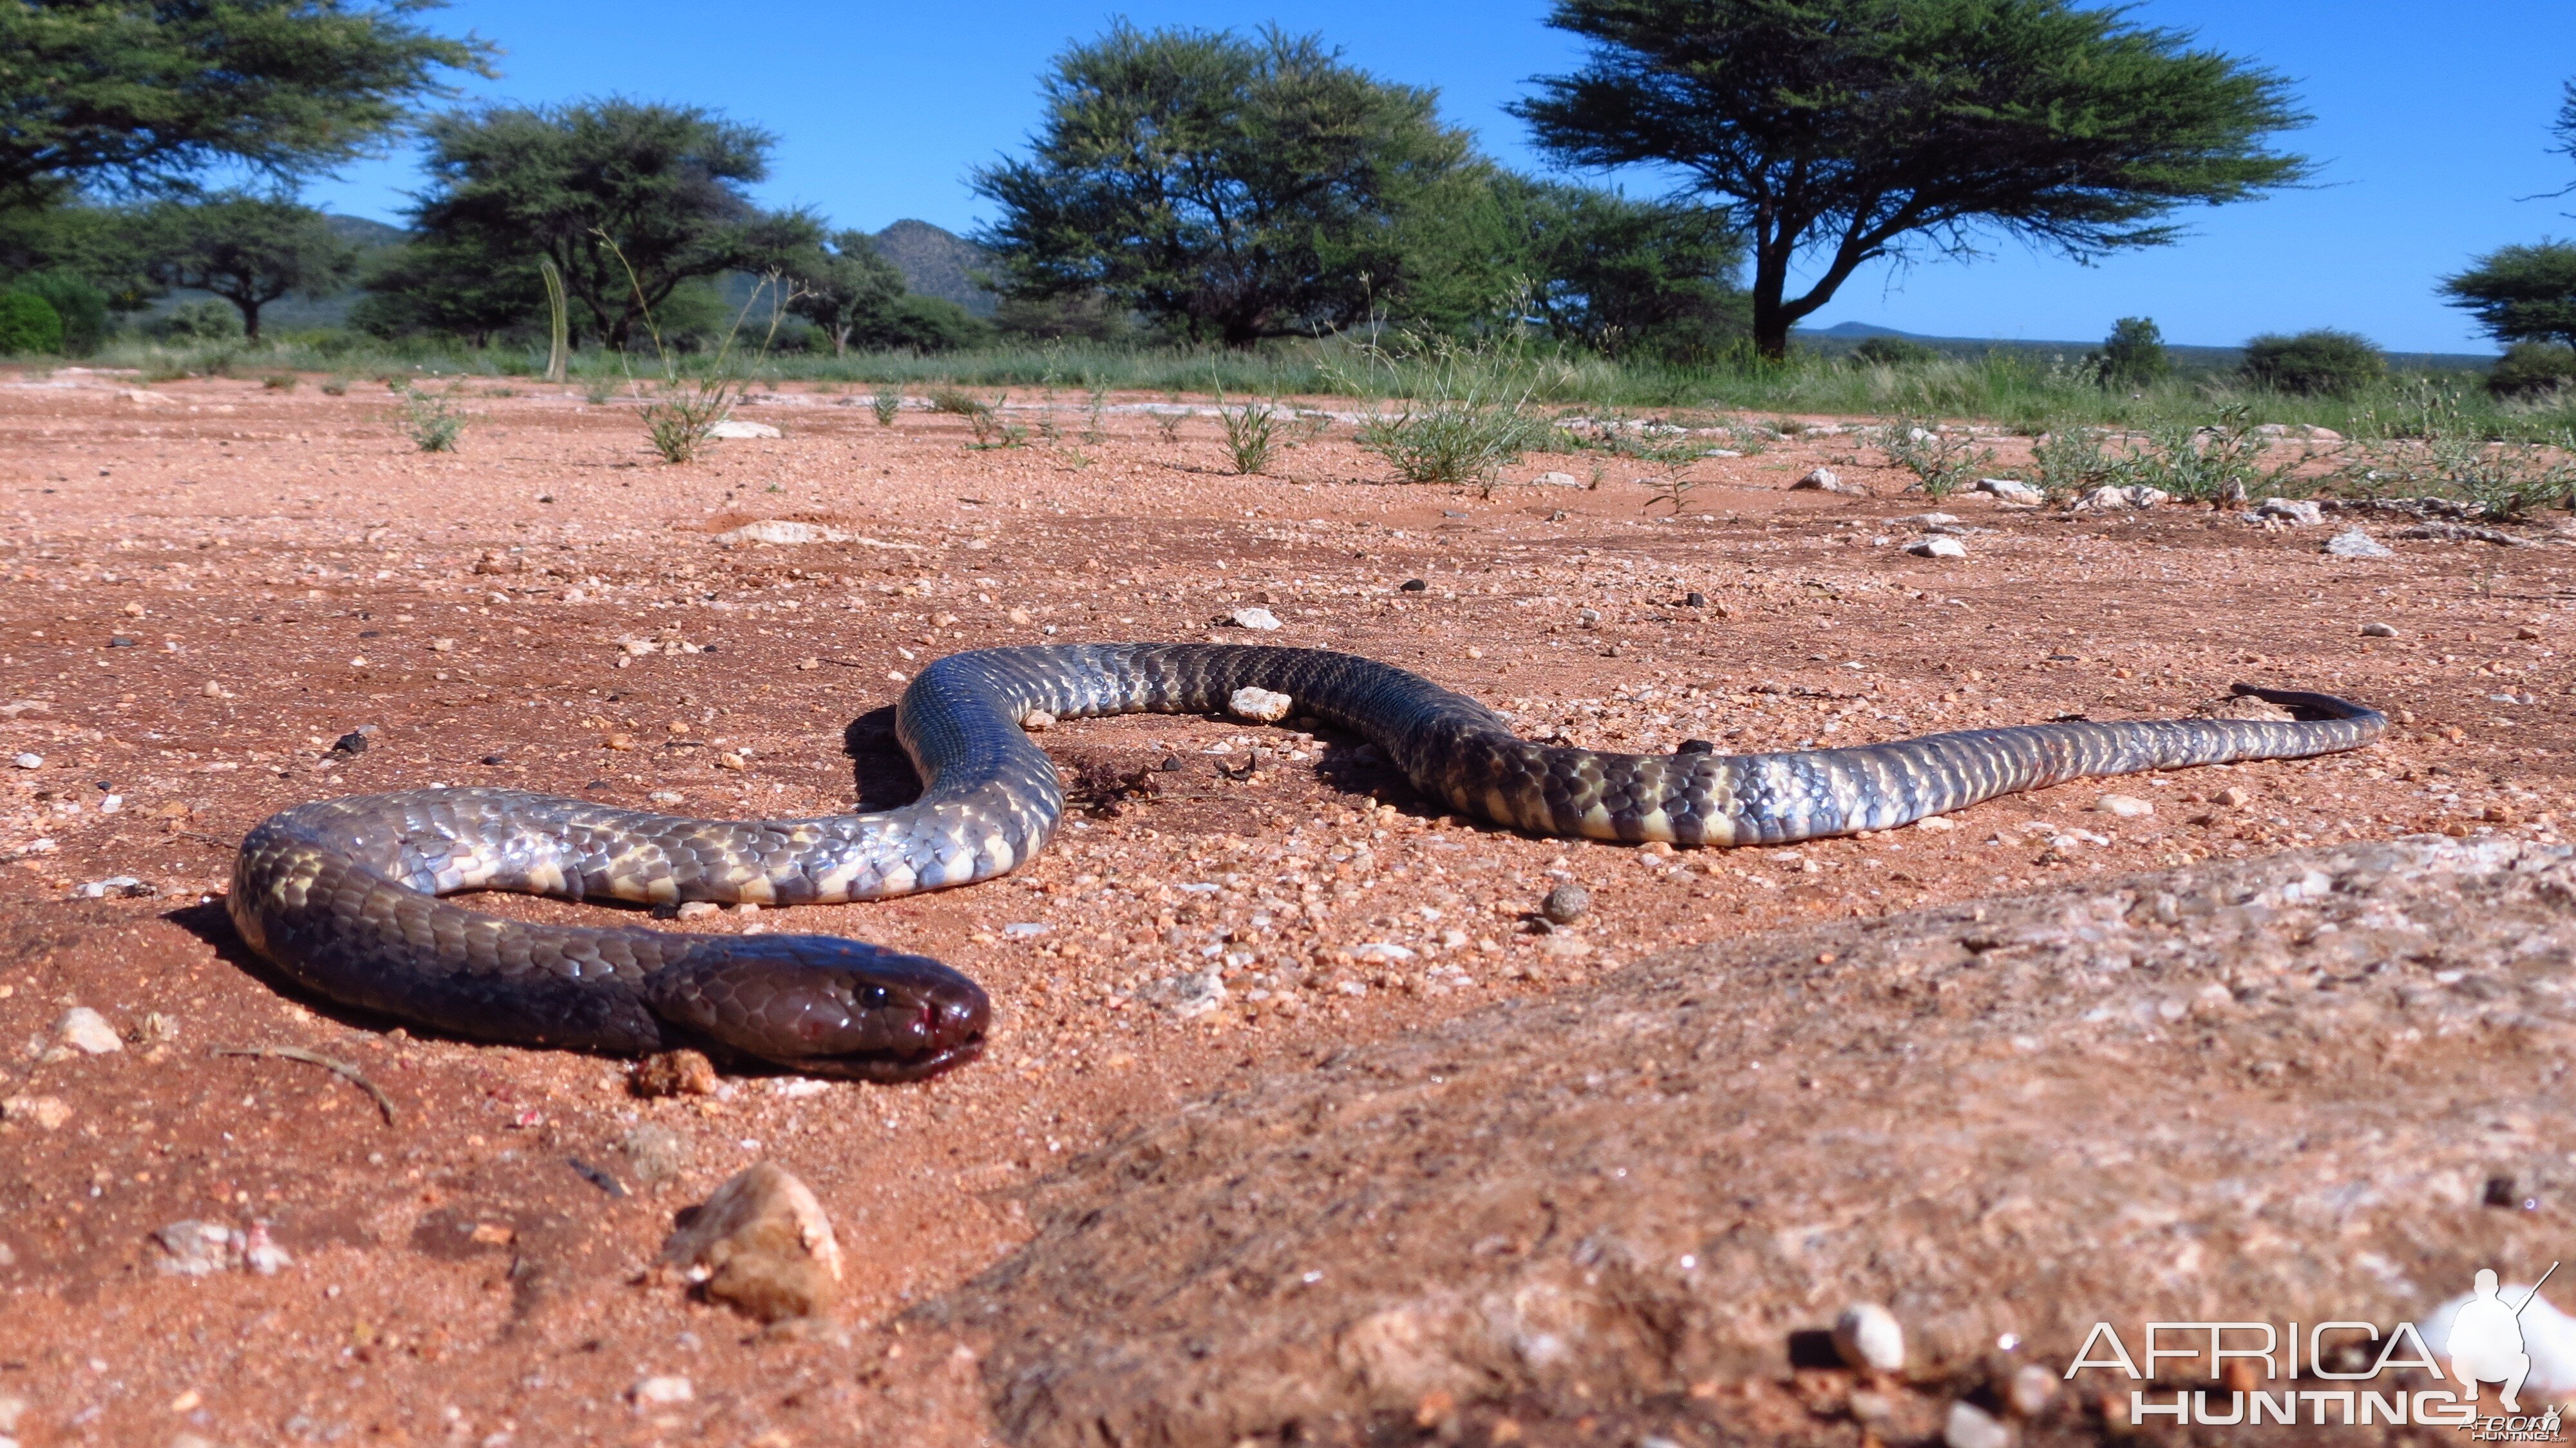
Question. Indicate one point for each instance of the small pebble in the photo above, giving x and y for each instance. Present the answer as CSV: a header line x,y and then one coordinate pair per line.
x,y
2126,806
655,1153
663,1391
86,1031
1253,618
2031,1390
1037,721
692,909
1565,904
2354,543
1261,705
1970,1426
762,1244
1867,1335
2233,797
1694,600
1937,547
2378,631
674,1073
1415,585
45,1113
29,761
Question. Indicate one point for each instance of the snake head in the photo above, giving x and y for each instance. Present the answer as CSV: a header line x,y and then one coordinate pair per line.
x,y
826,1006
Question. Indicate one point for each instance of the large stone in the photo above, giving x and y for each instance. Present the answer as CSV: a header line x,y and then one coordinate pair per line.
x,y
2279,1089
739,429
761,1243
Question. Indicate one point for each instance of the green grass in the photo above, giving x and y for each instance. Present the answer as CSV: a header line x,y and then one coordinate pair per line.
x,y
2014,390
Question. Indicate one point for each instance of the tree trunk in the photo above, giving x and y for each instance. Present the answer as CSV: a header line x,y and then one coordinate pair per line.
x,y
1770,317
250,319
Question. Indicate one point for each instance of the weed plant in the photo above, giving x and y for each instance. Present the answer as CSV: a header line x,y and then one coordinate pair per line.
x,y
1942,462
432,420
885,403
1252,433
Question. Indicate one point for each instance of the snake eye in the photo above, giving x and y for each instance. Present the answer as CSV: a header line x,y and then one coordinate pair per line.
x,y
875,996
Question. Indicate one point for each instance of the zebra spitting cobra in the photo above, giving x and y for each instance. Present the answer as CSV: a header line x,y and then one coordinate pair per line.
x,y
343,895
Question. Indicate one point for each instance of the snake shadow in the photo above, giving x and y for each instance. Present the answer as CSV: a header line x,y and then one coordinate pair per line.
x,y
881,774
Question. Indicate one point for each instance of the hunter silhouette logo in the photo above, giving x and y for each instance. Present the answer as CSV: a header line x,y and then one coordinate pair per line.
x,y
2486,1340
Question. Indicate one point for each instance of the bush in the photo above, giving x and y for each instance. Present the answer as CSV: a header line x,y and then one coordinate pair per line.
x,y
923,324
206,320
28,323
1892,352
2530,369
2321,363
2133,355
80,304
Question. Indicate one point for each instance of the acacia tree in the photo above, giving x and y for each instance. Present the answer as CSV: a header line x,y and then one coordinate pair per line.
x,y
248,250
2521,293
841,283
1232,189
429,285
1850,130
116,96
586,182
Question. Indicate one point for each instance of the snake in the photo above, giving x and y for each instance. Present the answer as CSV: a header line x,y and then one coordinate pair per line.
x,y
344,896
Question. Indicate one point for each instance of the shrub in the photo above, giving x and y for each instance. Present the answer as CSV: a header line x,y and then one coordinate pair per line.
x,y
2320,363
886,402
2529,369
1251,432
1942,464
28,323
2133,355
280,381
81,305
203,320
432,421
1892,352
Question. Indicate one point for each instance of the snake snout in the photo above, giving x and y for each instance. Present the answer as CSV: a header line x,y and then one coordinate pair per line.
x,y
828,1007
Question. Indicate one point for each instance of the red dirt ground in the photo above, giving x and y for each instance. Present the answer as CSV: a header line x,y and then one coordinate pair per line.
x,y
204,584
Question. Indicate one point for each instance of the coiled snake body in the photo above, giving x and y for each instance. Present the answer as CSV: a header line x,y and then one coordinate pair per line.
x,y
342,894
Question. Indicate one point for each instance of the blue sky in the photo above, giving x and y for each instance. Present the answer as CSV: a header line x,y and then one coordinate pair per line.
x,y
2430,122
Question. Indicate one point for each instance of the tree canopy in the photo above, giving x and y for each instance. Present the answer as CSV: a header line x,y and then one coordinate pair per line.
x,y
583,183
248,250
2521,293
1850,130
1229,188
113,96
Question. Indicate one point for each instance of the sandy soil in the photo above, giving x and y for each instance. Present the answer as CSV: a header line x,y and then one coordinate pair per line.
x,y
204,584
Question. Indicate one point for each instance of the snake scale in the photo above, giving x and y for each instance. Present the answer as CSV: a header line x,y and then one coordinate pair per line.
x,y
342,894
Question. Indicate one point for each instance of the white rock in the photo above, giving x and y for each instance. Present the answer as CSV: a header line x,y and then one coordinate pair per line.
x,y
2011,490
1869,1336
47,1112
2354,543
1937,547
1037,721
1261,705
2378,631
86,1031
113,885
2108,500
29,761
782,531
2298,513
1557,480
1936,823
1381,950
2126,806
660,1391
1923,520
1970,1426
736,428
1197,994
1822,480
199,1249
1253,618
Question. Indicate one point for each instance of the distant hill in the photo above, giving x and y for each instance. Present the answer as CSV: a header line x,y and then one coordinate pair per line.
x,y
1839,339
937,262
